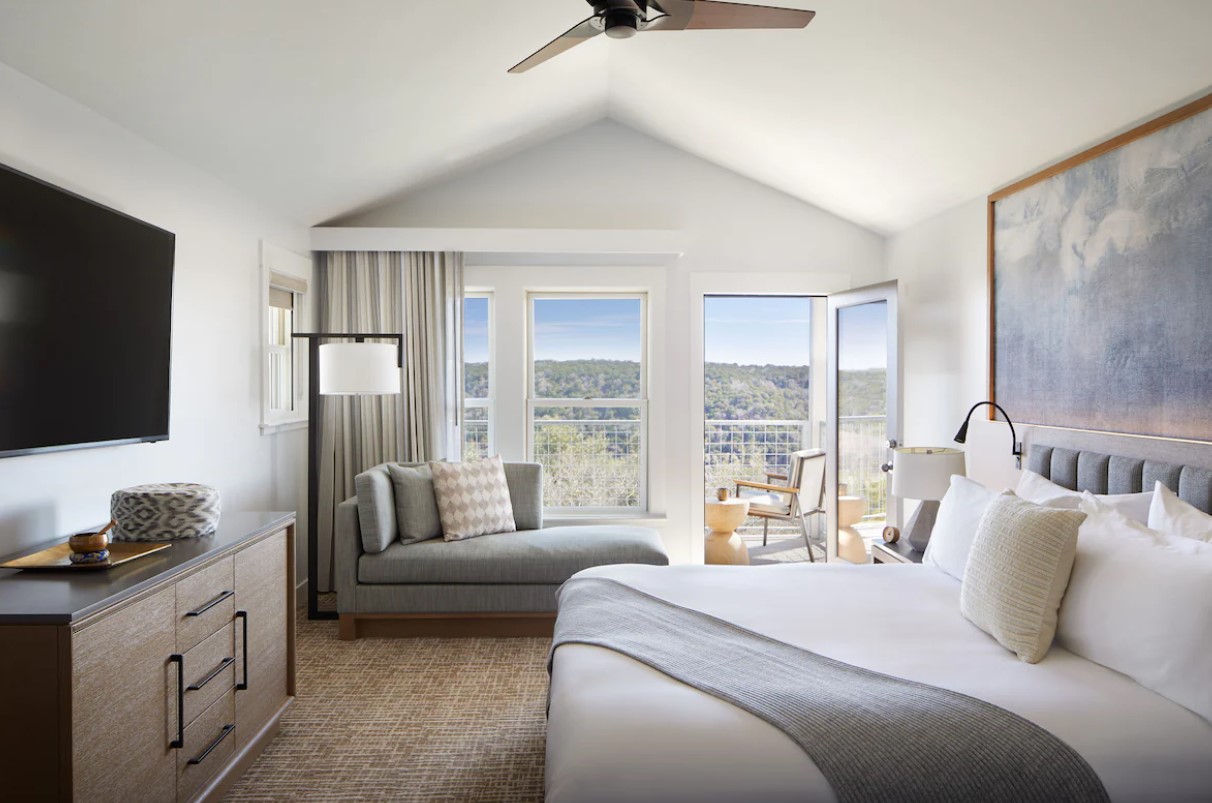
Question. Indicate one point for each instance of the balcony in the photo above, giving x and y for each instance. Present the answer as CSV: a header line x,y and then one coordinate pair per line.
x,y
596,463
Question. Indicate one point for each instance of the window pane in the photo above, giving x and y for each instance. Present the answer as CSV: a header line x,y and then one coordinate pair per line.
x,y
590,455
587,348
281,326
475,432
281,362
475,348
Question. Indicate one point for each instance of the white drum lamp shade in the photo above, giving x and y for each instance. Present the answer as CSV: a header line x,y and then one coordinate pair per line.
x,y
924,472
359,369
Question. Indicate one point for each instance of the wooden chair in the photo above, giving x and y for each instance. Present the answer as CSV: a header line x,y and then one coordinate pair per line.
x,y
800,494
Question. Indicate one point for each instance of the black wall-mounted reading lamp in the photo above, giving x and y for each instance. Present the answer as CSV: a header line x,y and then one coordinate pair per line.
x,y
1016,448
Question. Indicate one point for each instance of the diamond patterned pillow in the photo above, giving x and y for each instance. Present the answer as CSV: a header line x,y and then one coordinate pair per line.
x,y
473,498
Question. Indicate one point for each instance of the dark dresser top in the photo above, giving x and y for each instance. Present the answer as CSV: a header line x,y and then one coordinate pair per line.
x,y
65,597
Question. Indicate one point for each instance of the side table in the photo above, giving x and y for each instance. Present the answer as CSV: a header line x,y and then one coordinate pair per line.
x,y
723,545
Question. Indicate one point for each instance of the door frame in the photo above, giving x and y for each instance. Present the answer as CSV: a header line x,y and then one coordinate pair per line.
x,y
887,292
733,283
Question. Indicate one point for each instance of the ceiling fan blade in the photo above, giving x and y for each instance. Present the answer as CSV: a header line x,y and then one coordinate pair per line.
x,y
689,15
566,41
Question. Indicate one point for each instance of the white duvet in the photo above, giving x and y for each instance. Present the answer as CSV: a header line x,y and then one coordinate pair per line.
x,y
620,731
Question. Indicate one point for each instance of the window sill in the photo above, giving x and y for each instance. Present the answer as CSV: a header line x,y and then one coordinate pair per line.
x,y
579,519
284,426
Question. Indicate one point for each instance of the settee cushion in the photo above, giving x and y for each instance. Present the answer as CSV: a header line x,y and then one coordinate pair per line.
x,y
416,506
376,509
548,556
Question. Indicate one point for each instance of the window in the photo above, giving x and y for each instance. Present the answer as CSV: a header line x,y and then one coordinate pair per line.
x,y
587,403
477,377
284,390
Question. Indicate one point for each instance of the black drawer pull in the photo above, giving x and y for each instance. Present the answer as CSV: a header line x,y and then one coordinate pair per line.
x,y
214,673
179,660
243,617
212,603
198,759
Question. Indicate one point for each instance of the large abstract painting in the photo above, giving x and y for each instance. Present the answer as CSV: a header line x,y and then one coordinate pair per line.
x,y
1101,282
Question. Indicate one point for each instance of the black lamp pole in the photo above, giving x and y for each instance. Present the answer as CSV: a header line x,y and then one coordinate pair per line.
x,y
313,453
1016,448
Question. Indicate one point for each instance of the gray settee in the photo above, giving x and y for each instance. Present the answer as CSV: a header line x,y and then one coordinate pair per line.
x,y
499,584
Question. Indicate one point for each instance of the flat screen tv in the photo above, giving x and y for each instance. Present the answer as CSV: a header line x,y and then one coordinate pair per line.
x,y
85,322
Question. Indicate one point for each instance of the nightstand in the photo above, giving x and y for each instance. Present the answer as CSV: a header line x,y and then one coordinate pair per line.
x,y
900,552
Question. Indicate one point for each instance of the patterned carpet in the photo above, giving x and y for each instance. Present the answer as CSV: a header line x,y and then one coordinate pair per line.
x,y
408,719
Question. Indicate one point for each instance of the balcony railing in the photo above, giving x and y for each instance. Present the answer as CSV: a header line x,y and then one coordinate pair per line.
x,y
596,462
747,449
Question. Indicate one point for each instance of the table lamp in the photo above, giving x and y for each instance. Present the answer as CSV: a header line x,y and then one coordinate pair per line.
x,y
924,473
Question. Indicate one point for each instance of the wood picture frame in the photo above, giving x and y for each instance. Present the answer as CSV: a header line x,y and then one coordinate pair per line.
x,y
1140,132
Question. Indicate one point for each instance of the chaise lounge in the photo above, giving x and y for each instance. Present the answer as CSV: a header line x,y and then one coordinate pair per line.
x,y
501,585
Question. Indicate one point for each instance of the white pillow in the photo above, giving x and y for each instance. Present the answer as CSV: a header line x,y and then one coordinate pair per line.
x,y
1140,603
1173,516
1042,491
1017,573
959,514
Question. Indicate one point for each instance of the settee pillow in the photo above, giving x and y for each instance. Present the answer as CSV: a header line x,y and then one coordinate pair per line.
x,y
959,514
1042,491
376,509
473,498
416,505
1173,516
1017,573
1139,602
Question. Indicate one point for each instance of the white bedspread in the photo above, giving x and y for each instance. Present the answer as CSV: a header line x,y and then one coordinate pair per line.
x,y
619,731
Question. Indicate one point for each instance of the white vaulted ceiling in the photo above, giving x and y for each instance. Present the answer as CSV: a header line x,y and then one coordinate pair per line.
x,y
882,111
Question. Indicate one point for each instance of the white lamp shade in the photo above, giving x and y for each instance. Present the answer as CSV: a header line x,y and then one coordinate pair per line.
x,y
359,369
924,472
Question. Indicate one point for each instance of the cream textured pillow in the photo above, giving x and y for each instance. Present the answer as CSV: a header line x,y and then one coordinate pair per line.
x,y
1017,572
473,498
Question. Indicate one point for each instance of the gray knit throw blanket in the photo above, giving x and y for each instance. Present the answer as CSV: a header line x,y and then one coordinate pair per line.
x,y
873,736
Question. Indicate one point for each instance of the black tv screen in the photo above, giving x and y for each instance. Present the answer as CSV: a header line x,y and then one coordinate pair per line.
x,y
85,321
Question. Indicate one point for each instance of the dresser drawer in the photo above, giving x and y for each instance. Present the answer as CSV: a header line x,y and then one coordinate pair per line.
x,y
205,602
209,670
209,743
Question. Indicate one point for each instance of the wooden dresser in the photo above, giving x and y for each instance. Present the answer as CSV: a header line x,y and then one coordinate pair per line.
x,y
158,680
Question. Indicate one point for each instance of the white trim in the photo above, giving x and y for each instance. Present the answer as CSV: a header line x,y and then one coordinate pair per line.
x,y
531,241
275,259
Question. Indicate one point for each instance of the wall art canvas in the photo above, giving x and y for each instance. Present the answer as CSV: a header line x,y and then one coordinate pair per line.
x,y
1101,282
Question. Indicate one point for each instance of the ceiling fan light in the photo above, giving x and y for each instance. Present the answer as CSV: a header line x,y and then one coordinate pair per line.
x,y
621,23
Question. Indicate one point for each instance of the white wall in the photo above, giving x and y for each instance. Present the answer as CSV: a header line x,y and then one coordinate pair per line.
x,y
608,176
217,325
941,267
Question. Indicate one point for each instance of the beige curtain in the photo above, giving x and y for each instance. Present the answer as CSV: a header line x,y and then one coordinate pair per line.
x,y
433,356
421,297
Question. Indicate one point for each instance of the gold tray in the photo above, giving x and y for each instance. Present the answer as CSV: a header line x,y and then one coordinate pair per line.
x,y
57,557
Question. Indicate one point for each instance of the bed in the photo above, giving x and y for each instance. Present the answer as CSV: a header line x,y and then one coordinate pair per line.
x,y
619,730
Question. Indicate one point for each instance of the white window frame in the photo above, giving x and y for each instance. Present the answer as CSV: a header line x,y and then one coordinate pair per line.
x,y
640,403
488,402
284,270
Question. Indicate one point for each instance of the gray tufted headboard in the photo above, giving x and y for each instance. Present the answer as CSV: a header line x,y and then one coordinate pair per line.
x,y
1101,473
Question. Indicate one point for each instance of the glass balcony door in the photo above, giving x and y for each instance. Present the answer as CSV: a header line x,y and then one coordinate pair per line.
x,y
864,417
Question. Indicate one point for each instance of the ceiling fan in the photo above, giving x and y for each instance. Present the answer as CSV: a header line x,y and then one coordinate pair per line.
x,y
622,19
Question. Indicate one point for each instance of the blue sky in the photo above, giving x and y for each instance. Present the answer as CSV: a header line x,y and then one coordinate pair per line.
x,y
757,330
587,329
747,330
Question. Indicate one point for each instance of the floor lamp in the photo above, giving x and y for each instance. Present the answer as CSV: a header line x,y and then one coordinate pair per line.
x,y
340,369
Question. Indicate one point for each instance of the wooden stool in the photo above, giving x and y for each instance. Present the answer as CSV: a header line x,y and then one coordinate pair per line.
x,y
723,545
